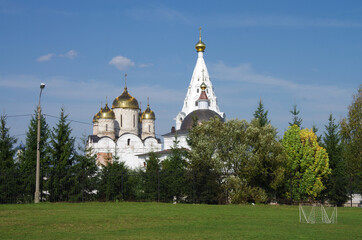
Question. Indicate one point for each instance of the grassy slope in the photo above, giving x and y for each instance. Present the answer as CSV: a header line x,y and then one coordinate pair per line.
x,y
167,221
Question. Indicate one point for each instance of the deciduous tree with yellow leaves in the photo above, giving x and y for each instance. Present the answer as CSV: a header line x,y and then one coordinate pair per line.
x,y
307,164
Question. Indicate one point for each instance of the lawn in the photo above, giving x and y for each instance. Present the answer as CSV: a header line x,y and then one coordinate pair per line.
x,y
168,221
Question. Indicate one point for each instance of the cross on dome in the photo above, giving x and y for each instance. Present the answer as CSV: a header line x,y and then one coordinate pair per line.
x,y
125,80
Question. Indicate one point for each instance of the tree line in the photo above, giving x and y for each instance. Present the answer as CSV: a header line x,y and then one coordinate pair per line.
x,y
229,162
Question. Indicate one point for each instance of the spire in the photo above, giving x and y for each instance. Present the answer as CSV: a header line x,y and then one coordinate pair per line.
x,y
200,46
148,102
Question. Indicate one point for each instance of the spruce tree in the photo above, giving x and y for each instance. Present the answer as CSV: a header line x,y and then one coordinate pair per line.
x,y
261,114
336,186
351,130
28,158
61,154
173,174
85,171
315,130
8,170
152,177
113,182
296,119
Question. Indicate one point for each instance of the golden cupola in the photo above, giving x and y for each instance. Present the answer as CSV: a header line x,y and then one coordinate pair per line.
x,y
107,113
125,100
200,46
148,114
97,116
203,86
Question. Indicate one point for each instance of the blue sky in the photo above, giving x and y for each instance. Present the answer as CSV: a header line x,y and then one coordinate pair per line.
x,y
307,53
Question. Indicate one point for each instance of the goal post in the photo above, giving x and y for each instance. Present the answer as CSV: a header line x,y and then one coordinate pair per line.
x,y
317,213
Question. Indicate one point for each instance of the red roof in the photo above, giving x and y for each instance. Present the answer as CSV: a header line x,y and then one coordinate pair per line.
x,y
203,96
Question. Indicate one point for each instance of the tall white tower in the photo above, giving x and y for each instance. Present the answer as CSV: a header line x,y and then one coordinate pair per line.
x,y
199,76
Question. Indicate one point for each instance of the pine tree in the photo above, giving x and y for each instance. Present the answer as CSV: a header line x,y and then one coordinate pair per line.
x,y
351,130
85,171
28,158
61,153
336,186
8,170
315,130
152,177
296,120
261,114
173,174
113,182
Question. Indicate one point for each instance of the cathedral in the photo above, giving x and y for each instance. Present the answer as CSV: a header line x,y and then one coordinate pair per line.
x,y
123,132
126,134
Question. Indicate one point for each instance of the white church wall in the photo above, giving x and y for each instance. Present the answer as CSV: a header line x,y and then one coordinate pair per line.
x,y
168,142
151,145
128,146
127,121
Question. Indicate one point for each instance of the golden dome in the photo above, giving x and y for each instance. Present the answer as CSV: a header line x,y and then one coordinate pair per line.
x,y
148,114
125,100
203,86
107,113
96,116
200,46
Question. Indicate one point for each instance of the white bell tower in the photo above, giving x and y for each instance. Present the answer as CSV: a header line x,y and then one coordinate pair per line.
x,y
199,76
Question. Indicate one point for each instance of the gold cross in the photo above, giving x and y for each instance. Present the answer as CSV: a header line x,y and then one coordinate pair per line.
x,y
125,80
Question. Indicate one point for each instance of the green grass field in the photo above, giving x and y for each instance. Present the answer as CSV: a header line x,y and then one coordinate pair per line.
x,y
168,221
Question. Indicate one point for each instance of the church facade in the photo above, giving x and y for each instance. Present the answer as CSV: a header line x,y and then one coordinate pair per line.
x,y
123,132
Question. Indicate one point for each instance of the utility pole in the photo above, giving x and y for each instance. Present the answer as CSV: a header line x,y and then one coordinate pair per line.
x,y
37,178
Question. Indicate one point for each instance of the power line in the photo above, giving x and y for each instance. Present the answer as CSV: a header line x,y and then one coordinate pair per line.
x,y
70,120
19,115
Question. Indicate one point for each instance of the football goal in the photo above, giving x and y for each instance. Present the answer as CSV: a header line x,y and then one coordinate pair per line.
x,y
317,213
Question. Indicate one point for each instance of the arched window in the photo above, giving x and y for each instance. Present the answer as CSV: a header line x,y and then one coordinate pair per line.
x,y
121,120
197,90
106,127
149,128
128,141
134,120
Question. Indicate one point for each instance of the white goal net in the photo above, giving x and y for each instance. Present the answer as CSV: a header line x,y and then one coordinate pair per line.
x,y
317,213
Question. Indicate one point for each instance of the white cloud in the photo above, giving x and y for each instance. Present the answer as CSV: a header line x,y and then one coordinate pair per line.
x,y
71,54
144,65
159,13
240,88
19,82
284,21
122,63
245,73
46,58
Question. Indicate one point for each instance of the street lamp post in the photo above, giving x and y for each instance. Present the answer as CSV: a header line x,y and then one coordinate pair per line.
x,y
36,197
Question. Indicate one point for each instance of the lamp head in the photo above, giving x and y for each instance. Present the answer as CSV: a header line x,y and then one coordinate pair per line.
x,y
42,85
